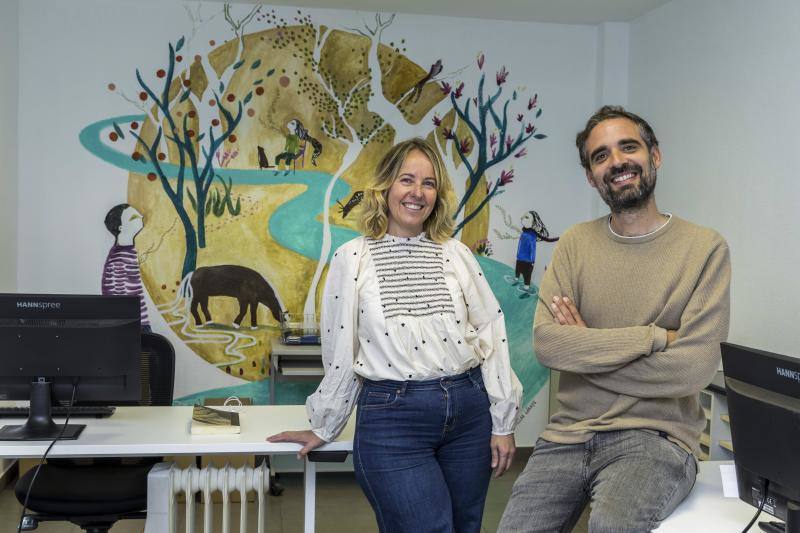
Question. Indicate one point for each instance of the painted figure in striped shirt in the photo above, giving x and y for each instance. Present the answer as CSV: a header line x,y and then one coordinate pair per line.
x,y
121,274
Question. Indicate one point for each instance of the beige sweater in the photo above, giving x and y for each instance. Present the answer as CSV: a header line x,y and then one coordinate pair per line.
x,y
617,373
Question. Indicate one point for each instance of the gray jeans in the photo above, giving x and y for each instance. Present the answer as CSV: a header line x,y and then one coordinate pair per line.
x,y
634,479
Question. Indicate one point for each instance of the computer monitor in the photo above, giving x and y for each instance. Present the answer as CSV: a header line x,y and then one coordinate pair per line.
x,y
763,391
50,343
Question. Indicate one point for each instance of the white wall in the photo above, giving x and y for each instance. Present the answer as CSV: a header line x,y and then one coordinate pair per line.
x,y
612,82
9,93
720,81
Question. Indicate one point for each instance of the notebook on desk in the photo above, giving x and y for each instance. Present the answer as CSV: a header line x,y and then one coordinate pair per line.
x,y
208,421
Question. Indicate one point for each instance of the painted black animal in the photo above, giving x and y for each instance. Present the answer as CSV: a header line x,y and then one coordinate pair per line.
x,y
246,285
351,203
263,161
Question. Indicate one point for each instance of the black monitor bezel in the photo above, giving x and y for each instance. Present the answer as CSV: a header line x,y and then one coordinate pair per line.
x,y
764,411
105,376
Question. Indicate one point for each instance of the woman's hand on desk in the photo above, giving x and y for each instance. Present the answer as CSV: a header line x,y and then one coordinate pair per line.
x,y
307,438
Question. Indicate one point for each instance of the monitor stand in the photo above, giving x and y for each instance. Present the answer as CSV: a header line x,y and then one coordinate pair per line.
x,y
40,425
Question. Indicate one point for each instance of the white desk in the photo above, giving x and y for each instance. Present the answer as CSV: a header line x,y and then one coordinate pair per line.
x,y
707,510
156,431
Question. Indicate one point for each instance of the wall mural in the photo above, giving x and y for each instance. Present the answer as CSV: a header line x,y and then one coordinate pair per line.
x,y
247,159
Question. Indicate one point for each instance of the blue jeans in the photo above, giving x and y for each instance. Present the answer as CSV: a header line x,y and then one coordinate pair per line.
x,y
633,478
422,453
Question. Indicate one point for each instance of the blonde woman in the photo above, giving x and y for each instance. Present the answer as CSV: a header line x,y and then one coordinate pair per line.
x,y
412,333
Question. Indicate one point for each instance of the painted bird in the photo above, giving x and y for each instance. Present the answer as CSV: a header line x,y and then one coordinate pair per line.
x,y
434,71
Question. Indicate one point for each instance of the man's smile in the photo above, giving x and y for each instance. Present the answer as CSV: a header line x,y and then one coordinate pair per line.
x,y
624,178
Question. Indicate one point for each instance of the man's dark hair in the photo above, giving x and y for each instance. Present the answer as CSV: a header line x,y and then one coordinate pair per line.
x,y
608,112
114,219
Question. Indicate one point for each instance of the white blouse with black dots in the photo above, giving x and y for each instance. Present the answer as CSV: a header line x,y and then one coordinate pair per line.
x,y
407,308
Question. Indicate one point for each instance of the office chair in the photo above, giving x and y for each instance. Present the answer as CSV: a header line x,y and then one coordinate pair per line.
x,y
95,493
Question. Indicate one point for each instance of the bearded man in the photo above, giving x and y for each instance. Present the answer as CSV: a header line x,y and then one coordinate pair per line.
x,y
631,311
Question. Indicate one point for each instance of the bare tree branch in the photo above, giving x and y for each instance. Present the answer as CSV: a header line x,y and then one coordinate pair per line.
x,y
358,31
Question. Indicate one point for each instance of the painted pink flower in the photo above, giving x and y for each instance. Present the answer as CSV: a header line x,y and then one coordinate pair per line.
x,y
437,121
459,89
480,61
492,139
446,88
464,146
501,75
519,117
530,128
521,153
506,177
448,133
532,102
508,142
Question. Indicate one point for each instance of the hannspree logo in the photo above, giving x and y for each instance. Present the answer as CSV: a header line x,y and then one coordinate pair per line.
x,y
789,374
38,305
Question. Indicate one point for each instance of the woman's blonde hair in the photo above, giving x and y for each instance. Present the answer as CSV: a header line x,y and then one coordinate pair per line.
x,y
374,219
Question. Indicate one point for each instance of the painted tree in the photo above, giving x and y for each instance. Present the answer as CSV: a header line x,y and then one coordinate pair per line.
x,y
356,106
189,118
238,25
481,133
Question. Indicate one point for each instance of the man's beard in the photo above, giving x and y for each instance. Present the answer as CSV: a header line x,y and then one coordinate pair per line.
x,y
630,197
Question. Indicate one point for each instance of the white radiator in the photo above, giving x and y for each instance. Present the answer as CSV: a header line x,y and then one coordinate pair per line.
x,y
166,481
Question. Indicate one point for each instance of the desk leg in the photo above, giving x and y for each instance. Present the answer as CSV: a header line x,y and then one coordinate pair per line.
x,y
310,484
